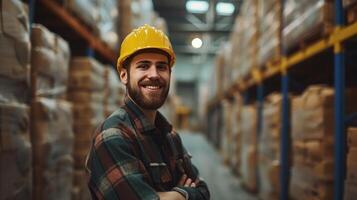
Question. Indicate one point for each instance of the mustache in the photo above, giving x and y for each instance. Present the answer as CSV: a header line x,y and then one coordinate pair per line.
x,y
155,82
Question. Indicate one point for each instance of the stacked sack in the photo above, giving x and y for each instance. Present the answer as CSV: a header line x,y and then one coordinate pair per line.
x,y
304,19
226,132
351,176
15,146
248,117
235,147
114,91
269,148
313,142
86,92
52,135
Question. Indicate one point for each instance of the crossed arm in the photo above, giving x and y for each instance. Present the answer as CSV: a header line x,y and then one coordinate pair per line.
x,y
116,173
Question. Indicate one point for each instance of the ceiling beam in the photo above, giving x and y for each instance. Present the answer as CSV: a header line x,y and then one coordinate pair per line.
x,y
186,27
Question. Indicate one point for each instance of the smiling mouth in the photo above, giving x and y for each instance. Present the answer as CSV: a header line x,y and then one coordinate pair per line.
x,y
152,87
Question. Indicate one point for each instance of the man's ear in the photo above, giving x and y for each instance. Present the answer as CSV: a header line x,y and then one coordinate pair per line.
x,y
123,76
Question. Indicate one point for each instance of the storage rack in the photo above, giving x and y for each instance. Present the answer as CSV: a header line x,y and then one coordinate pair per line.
x,y
280,72
81,40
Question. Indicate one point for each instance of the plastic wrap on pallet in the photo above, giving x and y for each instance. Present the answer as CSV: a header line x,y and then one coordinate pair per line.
x,y
86,74
53,146
246,39
235,147
108,20
50,61
249,147
304,19
15,152
14,52
347,3
351,168
226,131
268,42
269,148
219,71
313,141
87,11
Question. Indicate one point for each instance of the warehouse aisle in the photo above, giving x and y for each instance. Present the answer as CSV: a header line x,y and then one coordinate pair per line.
x,y
222,183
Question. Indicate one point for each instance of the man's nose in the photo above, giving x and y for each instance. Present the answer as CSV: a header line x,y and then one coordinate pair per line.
x,y
152,72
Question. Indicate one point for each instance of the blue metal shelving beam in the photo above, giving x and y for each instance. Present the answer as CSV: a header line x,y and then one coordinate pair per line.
x,y
285,139
32,11
339,83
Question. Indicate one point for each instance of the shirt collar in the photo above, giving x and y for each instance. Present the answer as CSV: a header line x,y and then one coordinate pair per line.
x,y
142,123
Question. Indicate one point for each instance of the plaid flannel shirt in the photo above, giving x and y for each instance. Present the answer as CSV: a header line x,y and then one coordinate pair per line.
x,y
132,159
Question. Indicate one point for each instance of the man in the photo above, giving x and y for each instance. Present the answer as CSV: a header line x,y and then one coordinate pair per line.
x,y
135,153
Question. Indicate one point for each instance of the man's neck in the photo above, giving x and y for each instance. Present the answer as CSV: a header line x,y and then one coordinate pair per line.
x,y
149,114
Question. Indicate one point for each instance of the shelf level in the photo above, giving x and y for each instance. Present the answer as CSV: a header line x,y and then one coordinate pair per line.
x,y
93,41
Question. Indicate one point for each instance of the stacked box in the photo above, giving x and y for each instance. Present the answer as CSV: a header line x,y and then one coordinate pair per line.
x,y
50,60
269,26
108,21
219,72
52,134
53,145
114,91
15,152
313,142
226,132
304,19
248,166
87,11
235,147
14,52
351,176
15,146
245,41
269,148
86,92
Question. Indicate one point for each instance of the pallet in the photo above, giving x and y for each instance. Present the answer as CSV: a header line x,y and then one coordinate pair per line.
x,y
319,31
351,13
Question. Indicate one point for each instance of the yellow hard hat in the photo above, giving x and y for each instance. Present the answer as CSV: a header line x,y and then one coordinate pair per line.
x,y
145,37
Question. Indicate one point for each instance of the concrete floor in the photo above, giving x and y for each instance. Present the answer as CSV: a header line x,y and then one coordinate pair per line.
x,y
223,185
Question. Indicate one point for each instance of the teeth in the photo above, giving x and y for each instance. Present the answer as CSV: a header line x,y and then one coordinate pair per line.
x,y
152,87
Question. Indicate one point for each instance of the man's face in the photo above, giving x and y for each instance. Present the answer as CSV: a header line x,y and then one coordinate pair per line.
x,y
148,80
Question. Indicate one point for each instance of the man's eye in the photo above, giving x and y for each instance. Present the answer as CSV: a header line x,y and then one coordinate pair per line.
x,y
143,66
162,67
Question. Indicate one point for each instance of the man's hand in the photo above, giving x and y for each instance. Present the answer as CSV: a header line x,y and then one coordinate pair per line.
x,y
173,195
187,182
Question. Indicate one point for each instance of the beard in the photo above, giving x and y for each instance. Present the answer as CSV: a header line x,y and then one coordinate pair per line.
x,y
152,102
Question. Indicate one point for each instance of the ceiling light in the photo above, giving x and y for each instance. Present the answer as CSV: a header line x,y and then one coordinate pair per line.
x,y
197,6
224,8
196,43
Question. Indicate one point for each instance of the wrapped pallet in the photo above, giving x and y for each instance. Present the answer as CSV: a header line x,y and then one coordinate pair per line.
x,y
87,11
219,72
53,146
249,147
269,148
86,92
351,175
235,147
15,152
50,62
108,20
14,52
304,19
226,134
114,91
269,26
351,10
247,38
313,142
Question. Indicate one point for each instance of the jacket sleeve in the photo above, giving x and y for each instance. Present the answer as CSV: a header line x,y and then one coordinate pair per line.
x,y
200,192
114,170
